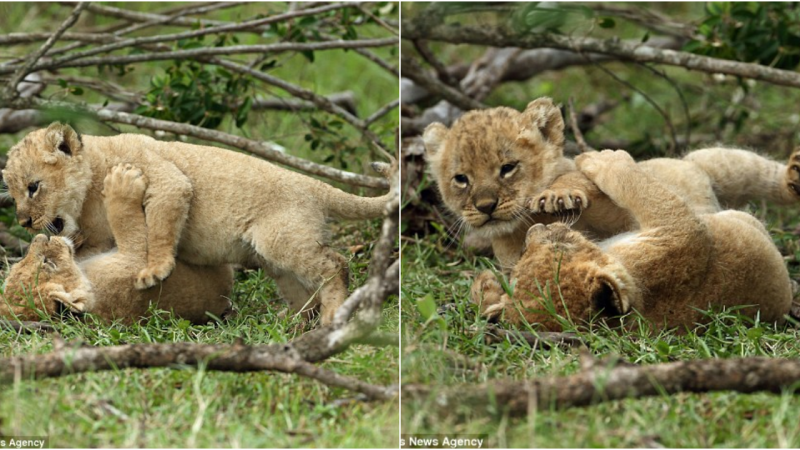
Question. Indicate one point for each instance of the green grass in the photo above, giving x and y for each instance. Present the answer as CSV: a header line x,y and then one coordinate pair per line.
x,y
191,407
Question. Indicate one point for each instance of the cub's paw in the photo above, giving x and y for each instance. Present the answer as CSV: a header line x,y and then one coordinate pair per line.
x,y
151,275
488,294
125,181
553,201
793,172
73,304
595,164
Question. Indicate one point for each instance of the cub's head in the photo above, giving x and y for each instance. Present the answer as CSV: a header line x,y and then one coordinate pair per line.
x,y
564,273
31,282
47,175
491,161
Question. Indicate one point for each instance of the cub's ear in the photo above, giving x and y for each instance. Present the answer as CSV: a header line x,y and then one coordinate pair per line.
x,y
61,138
433,137
542,115
607,295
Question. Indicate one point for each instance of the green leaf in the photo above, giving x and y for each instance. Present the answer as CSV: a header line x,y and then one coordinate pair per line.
x,y
427,307
62,83
606,22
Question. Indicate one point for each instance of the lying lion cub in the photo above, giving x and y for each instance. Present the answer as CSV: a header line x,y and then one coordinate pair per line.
x,y
211,206
679,261
103,284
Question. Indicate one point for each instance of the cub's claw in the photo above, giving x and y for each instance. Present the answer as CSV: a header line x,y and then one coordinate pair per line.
x,y
554,201
150,276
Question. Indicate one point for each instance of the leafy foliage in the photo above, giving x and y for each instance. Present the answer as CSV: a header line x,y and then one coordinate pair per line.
x,y
766,33
198,94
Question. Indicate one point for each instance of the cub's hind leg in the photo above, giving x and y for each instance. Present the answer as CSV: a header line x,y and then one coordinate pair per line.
x,y
739,176
307,271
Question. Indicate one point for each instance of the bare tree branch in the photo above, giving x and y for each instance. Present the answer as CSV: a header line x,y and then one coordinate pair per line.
x,y
413,71
20,73
499,37
197,53
305,94
604,381
385,109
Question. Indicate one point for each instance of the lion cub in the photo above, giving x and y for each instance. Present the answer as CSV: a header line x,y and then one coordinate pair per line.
x,y
678,261
103,284
207,205
501,170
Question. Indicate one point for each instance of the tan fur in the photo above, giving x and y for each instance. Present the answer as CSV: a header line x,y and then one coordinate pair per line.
x,y
677,262
543,182
207,205
103,284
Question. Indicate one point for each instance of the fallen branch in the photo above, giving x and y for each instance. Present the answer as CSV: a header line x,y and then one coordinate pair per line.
x,y
228,358
607,382
493,334
499,37
27,327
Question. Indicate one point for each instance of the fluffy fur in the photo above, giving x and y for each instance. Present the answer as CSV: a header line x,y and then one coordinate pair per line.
x,y
48,276
207,205
501,171
677,262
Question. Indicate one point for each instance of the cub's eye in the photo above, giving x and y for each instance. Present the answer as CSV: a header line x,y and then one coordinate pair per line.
x,y
461,180
507,169
32,188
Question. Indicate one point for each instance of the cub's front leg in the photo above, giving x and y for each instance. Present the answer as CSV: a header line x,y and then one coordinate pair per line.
x,y
166,207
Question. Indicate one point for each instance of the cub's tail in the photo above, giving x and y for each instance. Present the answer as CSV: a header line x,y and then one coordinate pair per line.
x,y
343,205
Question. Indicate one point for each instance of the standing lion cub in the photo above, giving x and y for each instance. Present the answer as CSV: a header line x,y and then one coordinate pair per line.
x,y
103,284
207,205
677,263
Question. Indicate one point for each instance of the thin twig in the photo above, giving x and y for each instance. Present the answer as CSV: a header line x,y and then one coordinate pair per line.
x,y
226,28
20,73
197,53
678,90
413,71
441,70
573,124
653,103
305,94
493,334
374,117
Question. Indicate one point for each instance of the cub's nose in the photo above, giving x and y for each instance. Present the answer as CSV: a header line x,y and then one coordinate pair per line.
x,y
486,206
26,222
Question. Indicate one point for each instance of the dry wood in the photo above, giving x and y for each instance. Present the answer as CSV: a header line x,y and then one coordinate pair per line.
x,y
603,382
493,334
500,37
413,71
26,327
19,73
